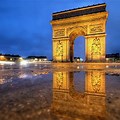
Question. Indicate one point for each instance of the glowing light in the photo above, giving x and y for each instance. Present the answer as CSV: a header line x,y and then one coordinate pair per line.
x,y
45,59
78,60
2,81
81,59
78,67
6,62
20,58
107,66
24,62
107,59
36,59
25,76
2,56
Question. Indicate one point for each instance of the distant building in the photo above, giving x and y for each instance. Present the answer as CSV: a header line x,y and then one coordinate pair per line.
x,y
8,57
115,57
37,58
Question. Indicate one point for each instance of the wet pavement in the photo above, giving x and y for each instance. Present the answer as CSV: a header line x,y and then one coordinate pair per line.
x,y
60,92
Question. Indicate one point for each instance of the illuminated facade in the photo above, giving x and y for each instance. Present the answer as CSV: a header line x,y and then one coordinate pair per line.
x,y
89,22
69,102
8,57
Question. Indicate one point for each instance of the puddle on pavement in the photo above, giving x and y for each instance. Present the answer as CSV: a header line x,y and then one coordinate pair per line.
x,y
44,92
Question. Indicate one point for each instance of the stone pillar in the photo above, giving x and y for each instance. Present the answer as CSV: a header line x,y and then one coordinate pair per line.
x,y
71,51
96,48
61,50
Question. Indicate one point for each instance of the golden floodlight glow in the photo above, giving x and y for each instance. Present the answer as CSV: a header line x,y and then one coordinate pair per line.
x,y
6,62
2,58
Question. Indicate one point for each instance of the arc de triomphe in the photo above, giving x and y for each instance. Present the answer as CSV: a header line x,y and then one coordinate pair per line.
x,y
89,22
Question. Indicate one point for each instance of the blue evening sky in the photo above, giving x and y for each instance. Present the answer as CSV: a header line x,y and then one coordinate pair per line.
x,y
25,25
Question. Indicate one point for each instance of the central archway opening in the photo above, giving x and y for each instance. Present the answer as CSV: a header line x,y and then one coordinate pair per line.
x,y
79,49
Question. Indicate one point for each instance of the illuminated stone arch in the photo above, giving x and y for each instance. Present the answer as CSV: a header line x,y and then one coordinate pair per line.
x,y
89,22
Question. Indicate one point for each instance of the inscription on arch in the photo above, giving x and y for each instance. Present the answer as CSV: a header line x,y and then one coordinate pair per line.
x,y
59,33
97,28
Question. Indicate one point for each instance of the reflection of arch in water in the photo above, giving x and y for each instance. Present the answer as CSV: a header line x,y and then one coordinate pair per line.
x,y
68,102
72,91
